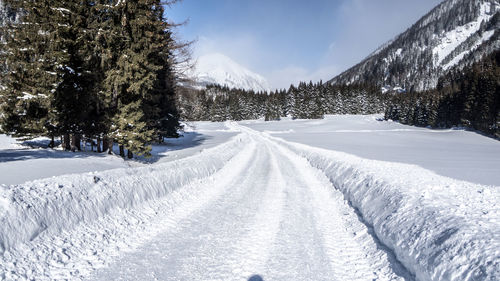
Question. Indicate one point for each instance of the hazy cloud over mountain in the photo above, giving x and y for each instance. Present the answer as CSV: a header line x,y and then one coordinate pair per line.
x,y
292,41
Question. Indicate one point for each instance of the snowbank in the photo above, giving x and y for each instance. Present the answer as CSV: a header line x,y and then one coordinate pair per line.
x,y
49,206
438,228
22,161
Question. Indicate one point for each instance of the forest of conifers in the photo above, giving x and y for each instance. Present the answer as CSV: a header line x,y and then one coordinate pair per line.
x,y
467,97
98,70
104,71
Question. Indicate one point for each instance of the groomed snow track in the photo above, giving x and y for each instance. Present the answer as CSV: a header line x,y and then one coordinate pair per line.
x,y
255,205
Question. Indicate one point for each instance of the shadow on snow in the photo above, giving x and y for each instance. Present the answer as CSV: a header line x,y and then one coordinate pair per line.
x,y
40,150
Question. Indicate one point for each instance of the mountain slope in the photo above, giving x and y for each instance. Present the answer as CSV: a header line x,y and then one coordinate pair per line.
x,y
220,69
454,34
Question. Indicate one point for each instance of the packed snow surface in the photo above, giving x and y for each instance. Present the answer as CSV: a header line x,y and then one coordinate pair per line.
x,y
219,69
289,200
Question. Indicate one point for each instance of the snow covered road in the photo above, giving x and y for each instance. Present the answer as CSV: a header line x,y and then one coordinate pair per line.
x,y
254,205
276,217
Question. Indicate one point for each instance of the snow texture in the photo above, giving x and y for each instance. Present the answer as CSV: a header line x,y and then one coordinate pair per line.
x,y
439,228
22,161
260,204
53,205
452,153
486,36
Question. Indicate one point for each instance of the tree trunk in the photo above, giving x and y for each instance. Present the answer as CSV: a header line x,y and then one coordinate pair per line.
x,y
78,142
110,146
99,144
105,145
73,143
66,142
130,155
122,151
52,142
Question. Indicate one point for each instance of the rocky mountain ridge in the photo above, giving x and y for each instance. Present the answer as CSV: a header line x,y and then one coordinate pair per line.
x,y
454,34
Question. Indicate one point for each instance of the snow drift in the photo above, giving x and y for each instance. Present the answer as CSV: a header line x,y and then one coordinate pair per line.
x,y
438,228
57,204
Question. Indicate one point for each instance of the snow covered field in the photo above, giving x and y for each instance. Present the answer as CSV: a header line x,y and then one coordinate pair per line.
x,y
452,153
20,163
344,198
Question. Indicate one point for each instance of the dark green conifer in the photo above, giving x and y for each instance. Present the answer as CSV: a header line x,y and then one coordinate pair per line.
x,y
28,79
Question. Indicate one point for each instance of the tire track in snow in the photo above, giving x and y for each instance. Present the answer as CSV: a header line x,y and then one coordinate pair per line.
x,y
170,213
204,246
298,253
353,252
253,250
75,253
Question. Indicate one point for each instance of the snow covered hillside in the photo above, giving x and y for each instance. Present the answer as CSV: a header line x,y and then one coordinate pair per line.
x,y
220,69
454,34
343,198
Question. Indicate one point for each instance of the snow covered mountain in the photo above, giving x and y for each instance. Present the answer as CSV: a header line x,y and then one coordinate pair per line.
x,y
454,34
219,69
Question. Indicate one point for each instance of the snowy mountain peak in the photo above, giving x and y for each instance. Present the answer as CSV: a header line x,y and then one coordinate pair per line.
x,y
454,34
219,69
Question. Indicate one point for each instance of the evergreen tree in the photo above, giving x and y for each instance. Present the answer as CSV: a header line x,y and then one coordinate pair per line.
x,y
130,130
139,85
29,78
470,99
99,69
74,98
157,46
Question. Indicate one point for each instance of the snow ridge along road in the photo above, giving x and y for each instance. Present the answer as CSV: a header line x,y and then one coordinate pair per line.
x,y
67,226
439,228
255,205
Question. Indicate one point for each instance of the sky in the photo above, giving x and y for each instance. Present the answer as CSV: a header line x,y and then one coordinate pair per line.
x,y
288,41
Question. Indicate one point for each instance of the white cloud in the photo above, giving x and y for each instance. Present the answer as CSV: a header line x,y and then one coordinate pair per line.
x,y
243,49
356,28
366,24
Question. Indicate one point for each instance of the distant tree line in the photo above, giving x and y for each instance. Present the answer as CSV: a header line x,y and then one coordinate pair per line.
x,y
468,98
95,69
306,101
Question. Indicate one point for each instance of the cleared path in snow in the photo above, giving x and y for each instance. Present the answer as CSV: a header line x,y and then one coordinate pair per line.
x,y
275,216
